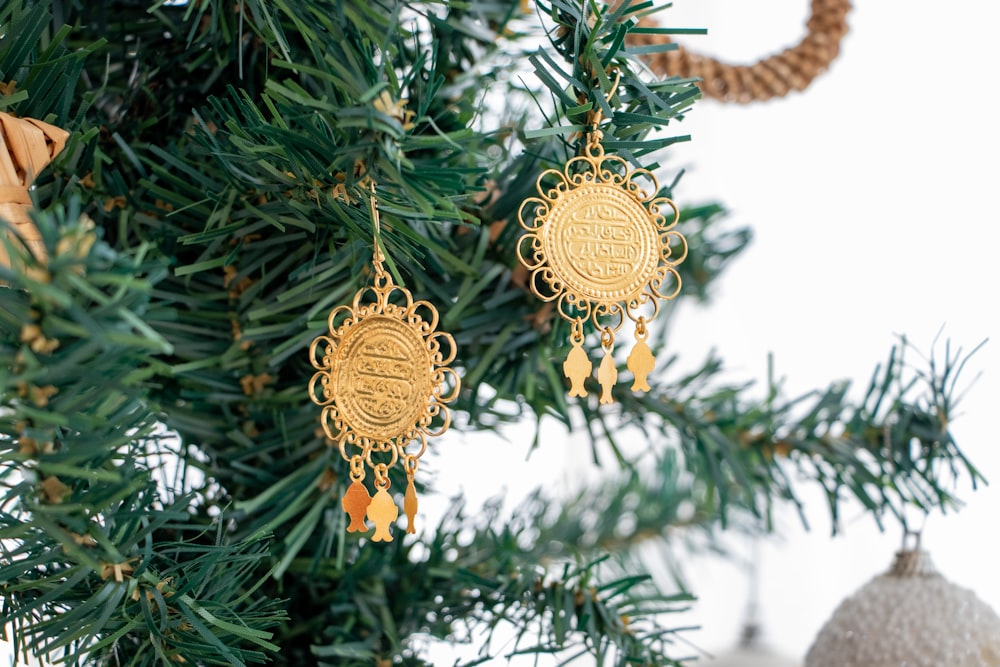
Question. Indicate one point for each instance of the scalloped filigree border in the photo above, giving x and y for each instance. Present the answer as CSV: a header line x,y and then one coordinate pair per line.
x,y
421,318
594,171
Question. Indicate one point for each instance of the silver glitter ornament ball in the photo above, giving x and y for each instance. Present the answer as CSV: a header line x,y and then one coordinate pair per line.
x,y
910,616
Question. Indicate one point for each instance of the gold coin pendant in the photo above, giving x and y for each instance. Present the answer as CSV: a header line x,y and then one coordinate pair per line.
x,y
382,370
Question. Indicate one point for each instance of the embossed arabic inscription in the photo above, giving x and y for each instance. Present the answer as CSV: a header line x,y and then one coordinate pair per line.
x,y
383,377
601,242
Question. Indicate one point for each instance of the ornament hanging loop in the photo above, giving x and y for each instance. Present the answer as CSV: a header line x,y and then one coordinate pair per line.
x,y
357,468
381,476
607,339
384,446
410,465
594,148
641,333
913,536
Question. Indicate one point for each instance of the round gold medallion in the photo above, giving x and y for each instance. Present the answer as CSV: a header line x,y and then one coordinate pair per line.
x,y
597,240
382,377
601,242
382,372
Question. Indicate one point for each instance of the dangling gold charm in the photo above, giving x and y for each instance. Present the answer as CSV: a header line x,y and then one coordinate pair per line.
x,y
383,380
410,498
382,511
577,366
356,501
607,374
641,359
598,243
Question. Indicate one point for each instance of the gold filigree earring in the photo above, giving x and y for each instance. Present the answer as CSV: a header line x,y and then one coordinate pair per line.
x,y
601,242
383,380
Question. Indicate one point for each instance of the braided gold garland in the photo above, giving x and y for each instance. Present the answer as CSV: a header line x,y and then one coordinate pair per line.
x,y
775,76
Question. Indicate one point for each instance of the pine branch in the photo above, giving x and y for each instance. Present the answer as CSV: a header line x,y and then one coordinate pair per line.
x,y
524,582
96,560
890,451
222,151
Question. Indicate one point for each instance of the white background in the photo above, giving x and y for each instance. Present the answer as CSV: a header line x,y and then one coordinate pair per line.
x,y
872,199
871,196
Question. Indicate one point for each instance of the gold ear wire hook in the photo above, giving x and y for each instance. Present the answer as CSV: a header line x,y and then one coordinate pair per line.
x,y
614,86
595,116
377,255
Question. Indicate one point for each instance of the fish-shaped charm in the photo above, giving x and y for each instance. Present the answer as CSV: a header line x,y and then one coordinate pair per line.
x,y
355,503
382,511
577,368
410,507
607,375
640,362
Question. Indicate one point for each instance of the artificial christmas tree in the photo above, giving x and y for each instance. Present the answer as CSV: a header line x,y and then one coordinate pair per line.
x,y
170,495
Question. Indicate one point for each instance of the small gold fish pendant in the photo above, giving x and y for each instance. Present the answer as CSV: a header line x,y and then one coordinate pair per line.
x,y
382,511
607,374
641,360
356,500
383,380
577,366
600,241
410,506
